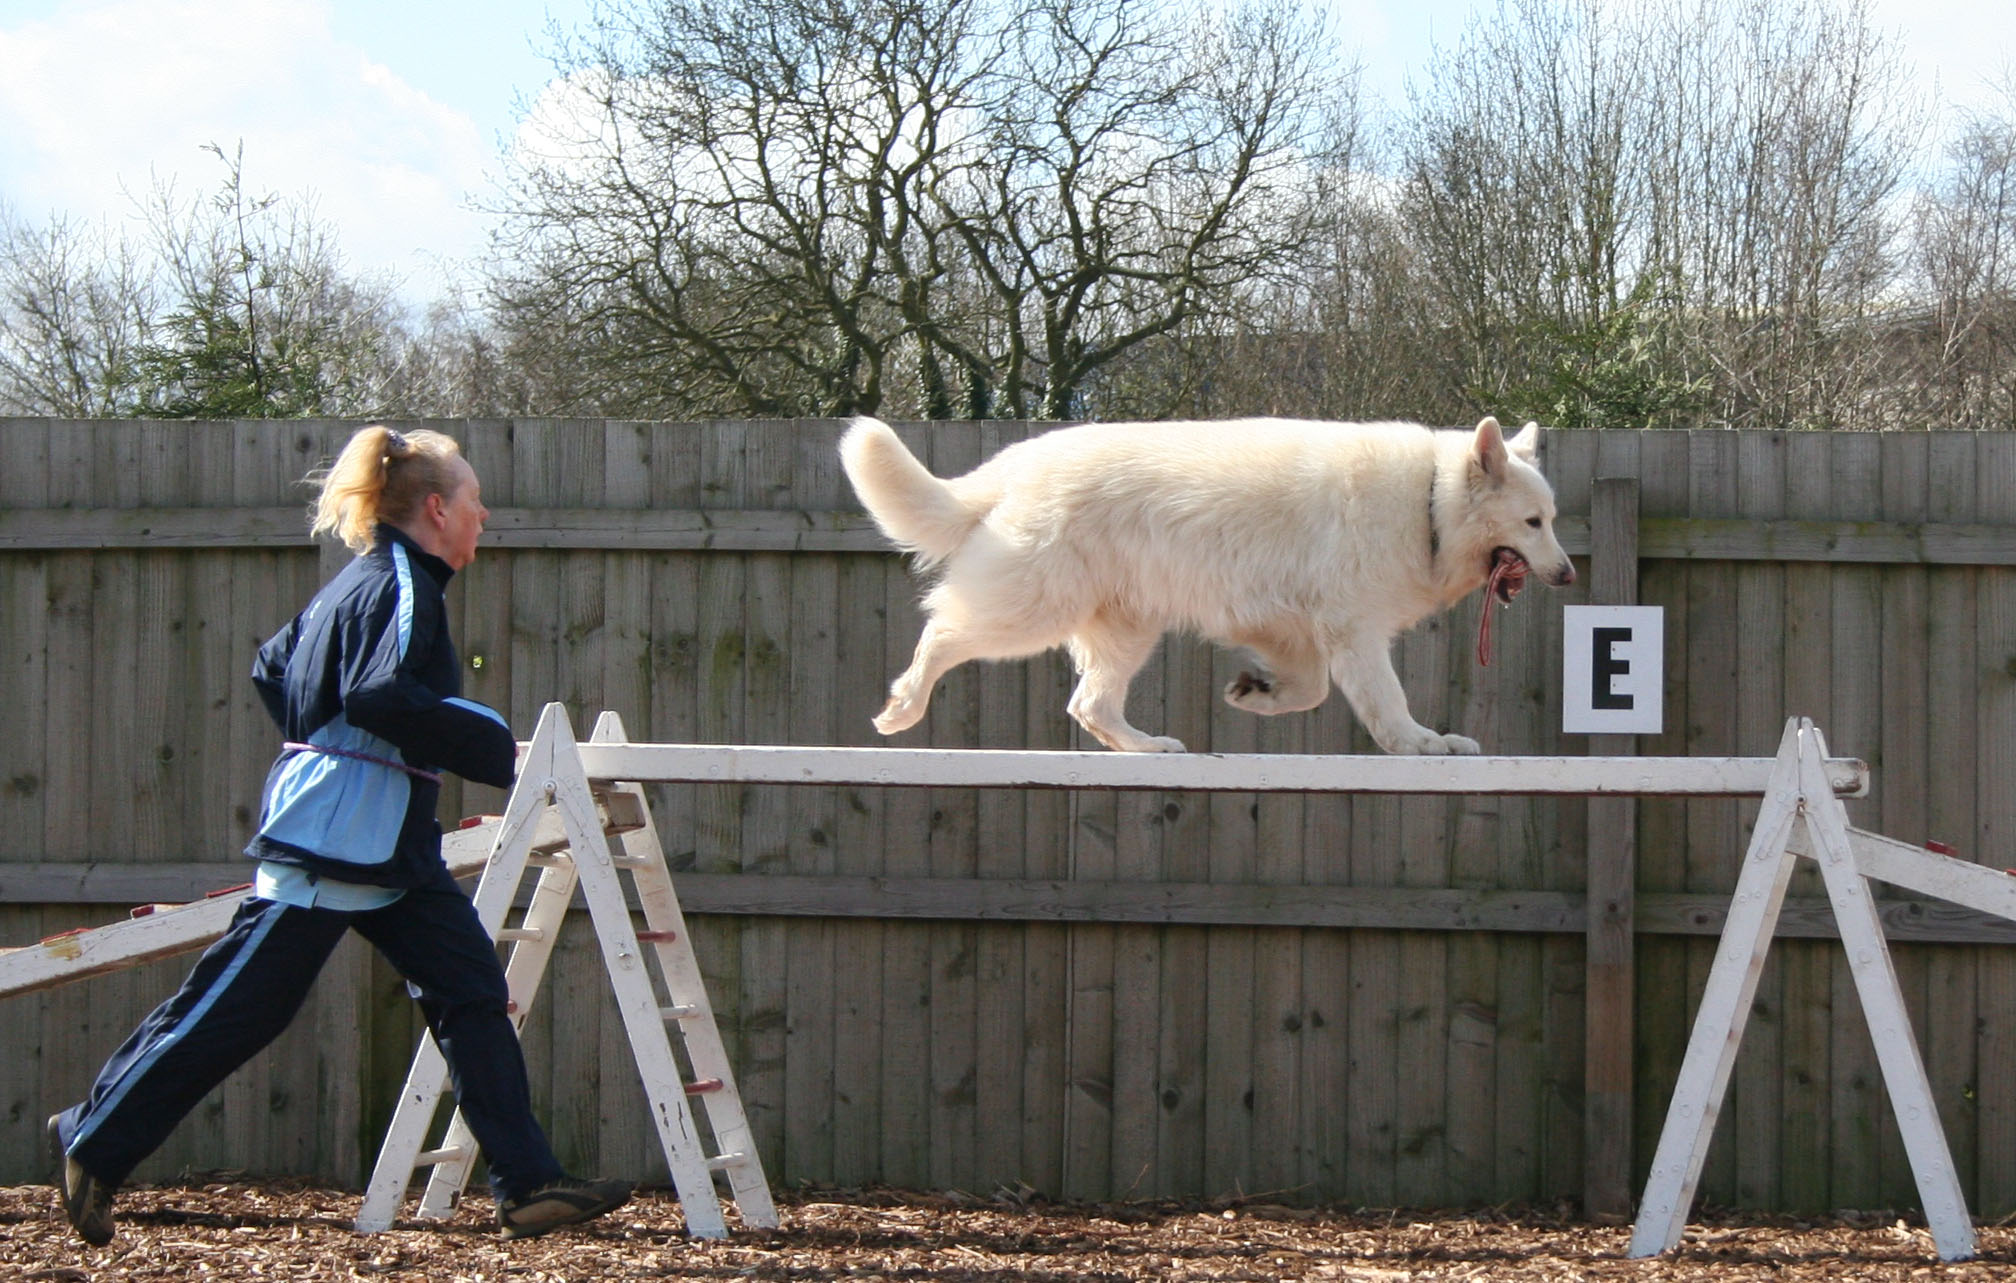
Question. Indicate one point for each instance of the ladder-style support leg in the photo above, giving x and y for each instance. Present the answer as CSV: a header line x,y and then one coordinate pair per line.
x,y
555,798
689,1008
636,1000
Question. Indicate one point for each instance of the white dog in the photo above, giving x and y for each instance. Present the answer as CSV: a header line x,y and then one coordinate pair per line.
x,y
1311,545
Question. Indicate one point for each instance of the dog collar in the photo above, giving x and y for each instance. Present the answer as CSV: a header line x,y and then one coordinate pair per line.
x,y
1434,535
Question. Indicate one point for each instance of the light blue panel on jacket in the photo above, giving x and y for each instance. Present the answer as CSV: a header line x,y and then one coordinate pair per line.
x,y
338,807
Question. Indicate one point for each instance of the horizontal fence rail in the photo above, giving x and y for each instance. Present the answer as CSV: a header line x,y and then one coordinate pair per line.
x,y
850,531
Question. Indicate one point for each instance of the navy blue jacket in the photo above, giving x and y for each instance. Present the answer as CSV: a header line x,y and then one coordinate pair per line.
x,y
369,668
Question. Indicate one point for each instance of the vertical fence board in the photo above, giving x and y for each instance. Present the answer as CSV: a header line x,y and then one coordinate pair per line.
x,y
1661,965
1000,1016
1759,722
860,648
24,778
1806,967
1208,977
1952,705
906,975
92,1018
1279,1023
1901,676
811,660
769,457
953,721
1852,726
1710,610
1995,817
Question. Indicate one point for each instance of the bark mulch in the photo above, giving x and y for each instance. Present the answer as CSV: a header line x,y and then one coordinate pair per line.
x,y
274,1230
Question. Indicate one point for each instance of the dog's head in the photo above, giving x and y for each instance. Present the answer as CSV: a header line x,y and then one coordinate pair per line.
x,y
1510,515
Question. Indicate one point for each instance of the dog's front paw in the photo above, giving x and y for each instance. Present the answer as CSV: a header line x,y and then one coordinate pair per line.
x,y
1426,743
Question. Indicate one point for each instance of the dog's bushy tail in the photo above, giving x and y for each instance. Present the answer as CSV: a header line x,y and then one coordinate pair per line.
x,y
916,510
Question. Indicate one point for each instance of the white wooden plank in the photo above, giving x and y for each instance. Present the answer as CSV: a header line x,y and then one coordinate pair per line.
x,y
1242,772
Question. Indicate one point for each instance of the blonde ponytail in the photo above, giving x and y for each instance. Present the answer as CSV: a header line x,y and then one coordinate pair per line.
x,y
381,475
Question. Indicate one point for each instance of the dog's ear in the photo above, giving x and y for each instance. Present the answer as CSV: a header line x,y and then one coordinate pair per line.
x,y
1489,448
1527,444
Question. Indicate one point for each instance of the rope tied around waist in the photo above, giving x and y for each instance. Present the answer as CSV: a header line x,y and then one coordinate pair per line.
x,y
295,746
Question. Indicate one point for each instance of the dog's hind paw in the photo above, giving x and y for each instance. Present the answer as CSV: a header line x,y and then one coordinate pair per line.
x,y
1247,683
1248,689
896,718
1136,742
1258,693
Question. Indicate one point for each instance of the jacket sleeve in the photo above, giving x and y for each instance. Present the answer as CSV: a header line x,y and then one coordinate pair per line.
x,y
269,672
382,695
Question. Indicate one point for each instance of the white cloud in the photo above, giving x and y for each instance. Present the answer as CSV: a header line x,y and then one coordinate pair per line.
x,y
108,94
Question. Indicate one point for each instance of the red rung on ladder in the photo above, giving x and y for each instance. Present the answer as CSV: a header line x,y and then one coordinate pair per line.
x,y
657,937
701,1087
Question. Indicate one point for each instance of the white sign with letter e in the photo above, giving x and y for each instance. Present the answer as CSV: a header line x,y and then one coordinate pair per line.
x,y
1613,670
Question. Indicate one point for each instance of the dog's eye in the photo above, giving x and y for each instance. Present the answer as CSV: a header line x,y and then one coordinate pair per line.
x,y
1533,522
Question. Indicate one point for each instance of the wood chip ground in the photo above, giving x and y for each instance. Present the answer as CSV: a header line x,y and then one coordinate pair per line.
x,y
266,1230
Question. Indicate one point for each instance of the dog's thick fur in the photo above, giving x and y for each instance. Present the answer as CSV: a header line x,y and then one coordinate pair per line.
x,y
1311,545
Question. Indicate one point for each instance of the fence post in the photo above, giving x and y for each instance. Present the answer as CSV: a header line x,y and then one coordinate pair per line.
x,y
1612,886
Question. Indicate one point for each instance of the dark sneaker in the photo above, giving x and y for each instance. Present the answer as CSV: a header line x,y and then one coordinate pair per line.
x,y
563,1202
87,1201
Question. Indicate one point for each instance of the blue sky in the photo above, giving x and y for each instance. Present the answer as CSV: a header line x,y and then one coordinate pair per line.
x,y
390,113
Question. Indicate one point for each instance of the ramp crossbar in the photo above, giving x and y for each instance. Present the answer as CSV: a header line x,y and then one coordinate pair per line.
x,y
1226,773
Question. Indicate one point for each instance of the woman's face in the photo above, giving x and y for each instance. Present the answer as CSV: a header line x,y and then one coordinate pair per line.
x,y
457,517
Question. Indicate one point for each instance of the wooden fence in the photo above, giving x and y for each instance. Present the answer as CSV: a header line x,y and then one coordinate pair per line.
x,y
1373,999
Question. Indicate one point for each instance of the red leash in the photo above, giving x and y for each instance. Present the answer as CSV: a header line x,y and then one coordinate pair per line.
x,y
1510,569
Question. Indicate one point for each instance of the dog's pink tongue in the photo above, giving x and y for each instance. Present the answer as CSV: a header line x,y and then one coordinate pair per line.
x,y
1509,569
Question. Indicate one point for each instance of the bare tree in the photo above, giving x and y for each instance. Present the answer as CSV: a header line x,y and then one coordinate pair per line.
x,y
1784,135
1147,170
725,214
950,206
1647,213
1959,351
1525,184
76,308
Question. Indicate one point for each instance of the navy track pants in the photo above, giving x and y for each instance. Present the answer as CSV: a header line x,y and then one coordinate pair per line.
x,y
248,986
